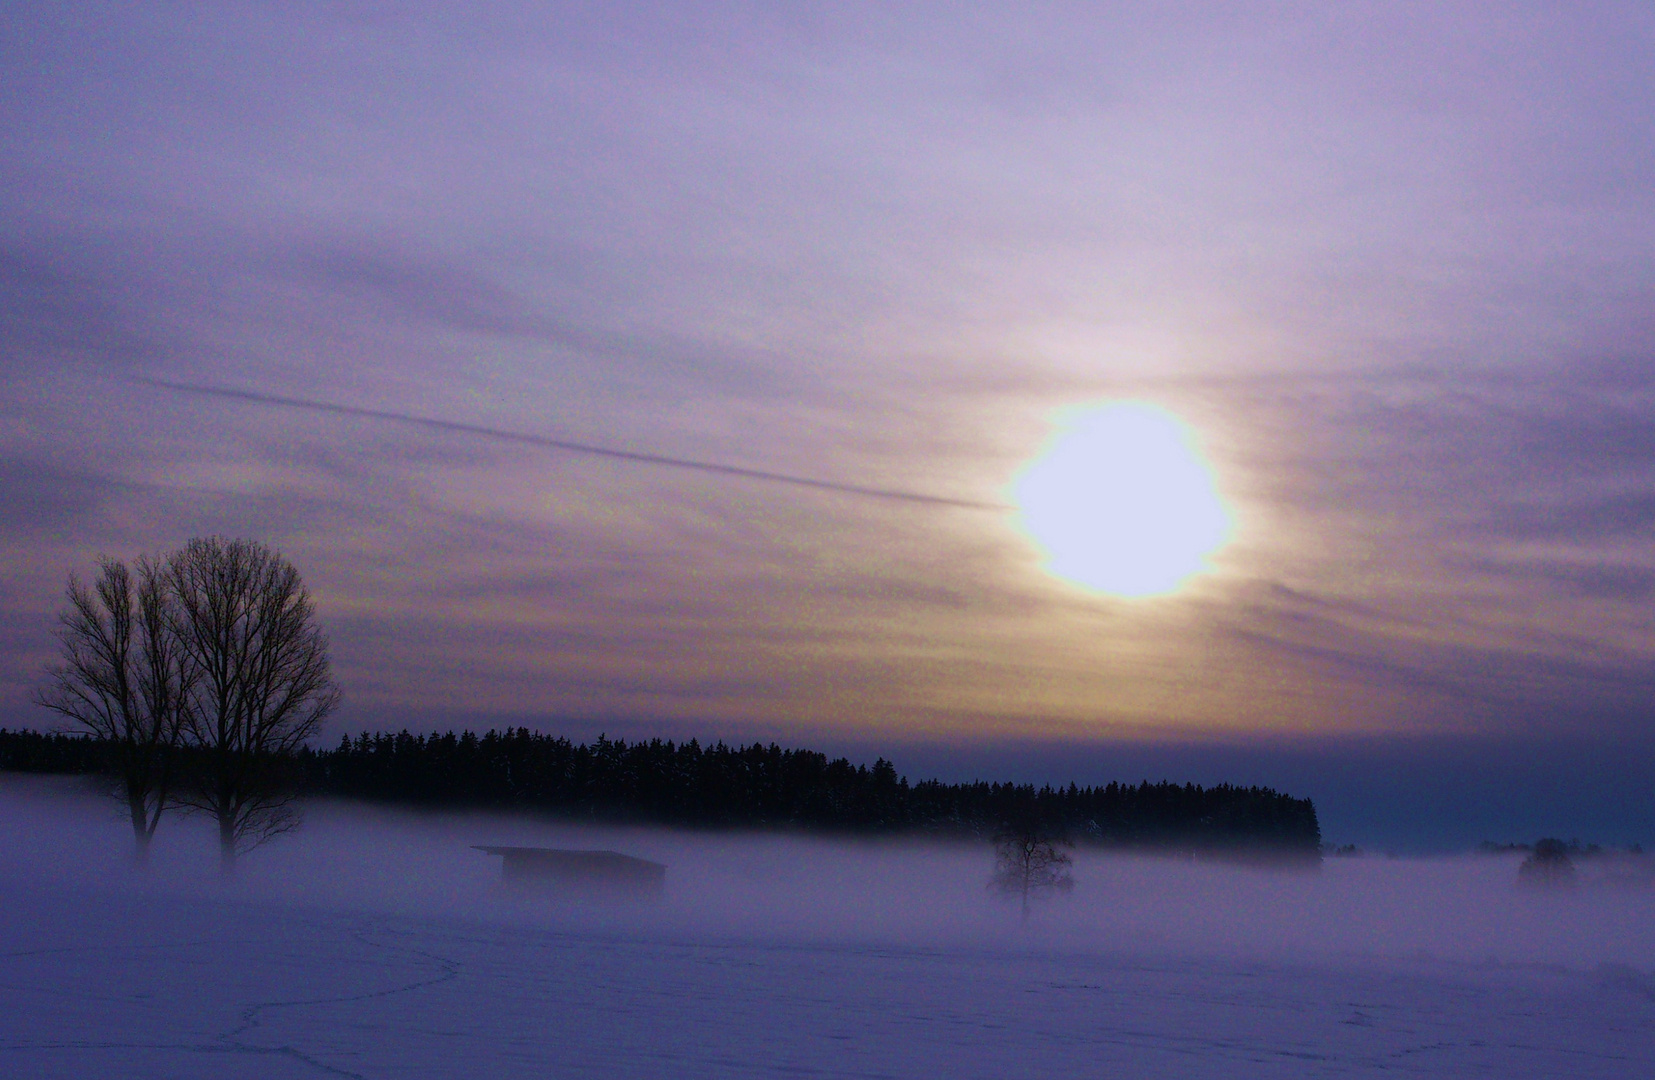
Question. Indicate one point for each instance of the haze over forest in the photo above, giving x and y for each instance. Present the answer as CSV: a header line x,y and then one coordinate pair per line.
x,y
361,282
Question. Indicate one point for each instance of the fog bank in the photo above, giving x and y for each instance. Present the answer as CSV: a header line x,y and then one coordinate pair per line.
x,y
58,835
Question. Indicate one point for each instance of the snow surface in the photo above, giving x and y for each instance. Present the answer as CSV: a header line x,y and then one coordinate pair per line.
x,y
378,944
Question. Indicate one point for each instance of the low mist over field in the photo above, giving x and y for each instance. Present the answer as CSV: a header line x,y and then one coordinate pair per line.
x,y
776,887
375,942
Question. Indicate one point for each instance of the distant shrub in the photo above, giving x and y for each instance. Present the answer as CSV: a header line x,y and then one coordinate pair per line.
x,y
1548,866
1028,864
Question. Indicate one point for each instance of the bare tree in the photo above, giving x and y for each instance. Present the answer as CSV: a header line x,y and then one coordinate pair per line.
x,y
124,681
1027,863
246,623
1548,866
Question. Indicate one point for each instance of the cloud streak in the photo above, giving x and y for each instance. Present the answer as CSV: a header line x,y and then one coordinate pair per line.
x,y
567,446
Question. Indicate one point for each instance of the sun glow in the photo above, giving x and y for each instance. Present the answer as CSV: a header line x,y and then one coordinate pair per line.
x,y
1120,500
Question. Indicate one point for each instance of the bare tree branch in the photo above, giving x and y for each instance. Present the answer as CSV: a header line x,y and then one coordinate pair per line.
x,y
1028,864
246,623
124,681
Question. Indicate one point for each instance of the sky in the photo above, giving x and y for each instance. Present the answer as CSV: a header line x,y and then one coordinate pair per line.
x,y
452,305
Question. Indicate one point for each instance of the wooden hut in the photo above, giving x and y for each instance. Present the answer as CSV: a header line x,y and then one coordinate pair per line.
x,y
561,870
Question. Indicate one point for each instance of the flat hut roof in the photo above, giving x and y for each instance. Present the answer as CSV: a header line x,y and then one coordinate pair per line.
x,y
588,869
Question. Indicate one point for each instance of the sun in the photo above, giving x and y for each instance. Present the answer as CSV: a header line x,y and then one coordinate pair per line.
x,y
1121,500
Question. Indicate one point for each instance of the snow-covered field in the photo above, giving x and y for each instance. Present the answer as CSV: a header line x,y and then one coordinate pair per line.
x,y
378,944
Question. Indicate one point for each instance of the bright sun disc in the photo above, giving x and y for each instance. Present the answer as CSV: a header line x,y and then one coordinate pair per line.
x,y
1121,501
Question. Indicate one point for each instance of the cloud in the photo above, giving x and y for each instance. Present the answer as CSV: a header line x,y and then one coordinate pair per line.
x,y
1627,584
427,290
40,497
59,313
638,457
1376,259
1581,517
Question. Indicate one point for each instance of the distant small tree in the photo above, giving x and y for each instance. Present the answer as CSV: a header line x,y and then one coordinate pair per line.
x,y
1028,864
247,625
1549,865
124,680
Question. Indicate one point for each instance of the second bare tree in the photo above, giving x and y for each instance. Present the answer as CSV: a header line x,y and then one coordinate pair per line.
x,y
246,623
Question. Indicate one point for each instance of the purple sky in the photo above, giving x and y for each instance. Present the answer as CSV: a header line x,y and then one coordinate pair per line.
x,y
1390,261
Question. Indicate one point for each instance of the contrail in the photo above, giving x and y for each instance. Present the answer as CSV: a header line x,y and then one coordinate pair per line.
x,y
563,444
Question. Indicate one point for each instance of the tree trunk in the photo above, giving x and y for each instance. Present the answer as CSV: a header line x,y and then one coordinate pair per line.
x,y
226,846
141,832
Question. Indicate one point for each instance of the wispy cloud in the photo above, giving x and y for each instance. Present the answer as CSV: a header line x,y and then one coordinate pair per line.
x,y
623,363
566,446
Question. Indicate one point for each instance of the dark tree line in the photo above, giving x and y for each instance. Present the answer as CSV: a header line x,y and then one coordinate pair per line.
x,y
51,752
763,786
